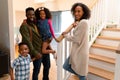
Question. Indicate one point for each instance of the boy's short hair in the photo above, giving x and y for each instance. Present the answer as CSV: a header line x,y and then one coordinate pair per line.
x,y
22,43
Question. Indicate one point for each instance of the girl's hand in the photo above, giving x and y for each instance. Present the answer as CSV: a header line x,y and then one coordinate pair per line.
x,y
56,40
64,33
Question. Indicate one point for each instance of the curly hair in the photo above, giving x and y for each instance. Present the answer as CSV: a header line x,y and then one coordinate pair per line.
x,y
47,12
86,10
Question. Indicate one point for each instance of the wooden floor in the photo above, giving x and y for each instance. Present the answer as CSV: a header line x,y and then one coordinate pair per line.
x,y
53,72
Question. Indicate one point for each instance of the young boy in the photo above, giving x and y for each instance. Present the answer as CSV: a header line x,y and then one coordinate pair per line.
x,y
21,65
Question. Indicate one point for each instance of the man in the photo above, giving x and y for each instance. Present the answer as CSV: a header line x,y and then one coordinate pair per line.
x,y
31,36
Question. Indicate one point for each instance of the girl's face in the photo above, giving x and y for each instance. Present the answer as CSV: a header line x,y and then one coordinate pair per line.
x,y
42,15
78,13
23,50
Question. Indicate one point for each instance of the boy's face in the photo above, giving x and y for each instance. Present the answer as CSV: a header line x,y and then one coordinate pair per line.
x,y
30,15
23,50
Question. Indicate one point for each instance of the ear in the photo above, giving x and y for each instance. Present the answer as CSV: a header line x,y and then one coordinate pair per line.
x,y
19,51
28,50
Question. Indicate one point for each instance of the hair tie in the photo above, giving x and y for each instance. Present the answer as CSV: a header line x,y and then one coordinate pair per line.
x,y
41,8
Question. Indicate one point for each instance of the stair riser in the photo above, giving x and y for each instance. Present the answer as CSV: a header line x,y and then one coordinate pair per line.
x,y
103,52
111,33
94,77
107,42
102,65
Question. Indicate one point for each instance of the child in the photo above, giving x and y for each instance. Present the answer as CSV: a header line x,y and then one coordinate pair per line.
x,y
44,24
21,64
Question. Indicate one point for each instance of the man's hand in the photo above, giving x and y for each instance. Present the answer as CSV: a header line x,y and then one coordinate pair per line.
x,y
38,56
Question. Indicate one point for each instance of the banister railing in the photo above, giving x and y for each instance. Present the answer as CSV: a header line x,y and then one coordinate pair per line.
x,y
97,21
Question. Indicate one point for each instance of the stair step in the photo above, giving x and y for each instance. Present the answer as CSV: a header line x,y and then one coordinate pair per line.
x,y
101,72
73,77
109,38
104,47
112,26
112,29
102,58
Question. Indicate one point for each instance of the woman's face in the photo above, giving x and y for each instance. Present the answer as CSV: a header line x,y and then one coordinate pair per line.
x,y
78,13
42,15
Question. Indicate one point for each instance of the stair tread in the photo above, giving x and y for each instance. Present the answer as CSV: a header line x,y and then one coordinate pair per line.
x,y
109,38
112,29
73,77
104,47
101,72
102,58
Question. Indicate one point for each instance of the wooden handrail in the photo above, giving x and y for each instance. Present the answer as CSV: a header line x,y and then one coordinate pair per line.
x,y
92,3
60,38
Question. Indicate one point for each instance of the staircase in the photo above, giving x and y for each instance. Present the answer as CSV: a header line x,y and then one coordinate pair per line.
x,y
102,54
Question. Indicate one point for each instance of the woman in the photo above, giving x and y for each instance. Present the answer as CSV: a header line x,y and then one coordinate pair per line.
x,y
77,62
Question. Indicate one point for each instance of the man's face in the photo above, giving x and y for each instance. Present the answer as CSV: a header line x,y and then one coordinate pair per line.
x,y
30,15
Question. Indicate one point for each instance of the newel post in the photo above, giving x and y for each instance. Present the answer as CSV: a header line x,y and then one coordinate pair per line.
x,y
117,67
59,61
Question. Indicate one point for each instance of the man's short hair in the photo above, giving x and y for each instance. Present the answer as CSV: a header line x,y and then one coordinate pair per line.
x,y
29,9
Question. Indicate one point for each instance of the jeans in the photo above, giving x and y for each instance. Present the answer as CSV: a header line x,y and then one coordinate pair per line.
x,y
46,66
67,67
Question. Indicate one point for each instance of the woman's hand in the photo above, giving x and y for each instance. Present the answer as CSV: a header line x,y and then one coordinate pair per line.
x,y
75,24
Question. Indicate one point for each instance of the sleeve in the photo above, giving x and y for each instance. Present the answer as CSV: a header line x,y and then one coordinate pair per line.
x,y
80,33
29,58
15,63
26,38
51,28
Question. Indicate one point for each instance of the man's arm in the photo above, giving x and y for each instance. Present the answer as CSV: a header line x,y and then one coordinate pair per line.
x,y
25,32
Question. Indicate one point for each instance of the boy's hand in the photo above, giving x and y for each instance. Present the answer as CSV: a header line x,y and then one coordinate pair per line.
x,y
12,78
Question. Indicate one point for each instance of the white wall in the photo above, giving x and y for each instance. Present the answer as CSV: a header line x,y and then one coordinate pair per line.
x,y
21,5
6,25
113,11
66,20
